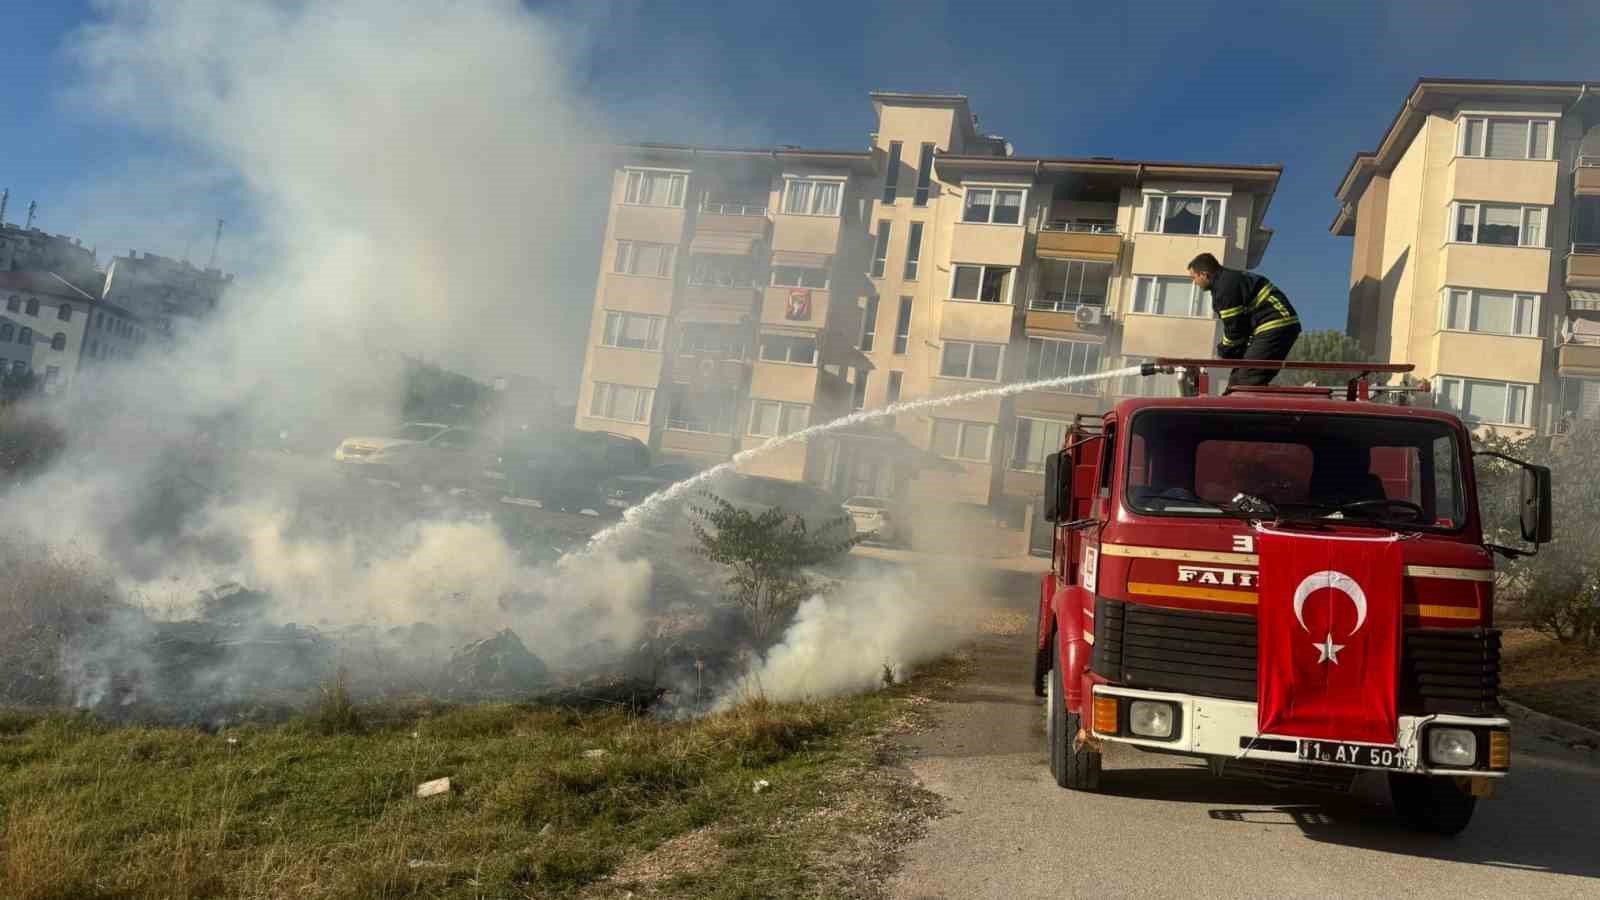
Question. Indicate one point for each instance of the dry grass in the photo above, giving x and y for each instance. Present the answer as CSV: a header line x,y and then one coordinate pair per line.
x,y
1559,679
46,597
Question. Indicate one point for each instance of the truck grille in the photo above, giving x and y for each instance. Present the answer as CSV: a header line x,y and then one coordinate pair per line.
x,y
1214,655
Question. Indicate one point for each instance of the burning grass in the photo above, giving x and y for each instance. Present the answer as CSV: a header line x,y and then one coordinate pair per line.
x,y
89,809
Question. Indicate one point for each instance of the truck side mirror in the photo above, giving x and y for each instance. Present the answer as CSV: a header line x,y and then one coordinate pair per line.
x,y
1057,505
1537,527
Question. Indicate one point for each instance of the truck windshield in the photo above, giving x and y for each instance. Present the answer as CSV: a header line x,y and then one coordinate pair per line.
x,y
1370,469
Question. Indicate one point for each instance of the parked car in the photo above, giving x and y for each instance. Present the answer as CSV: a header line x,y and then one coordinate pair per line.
x,y
872,518
384,453
756,494
622,492
563,468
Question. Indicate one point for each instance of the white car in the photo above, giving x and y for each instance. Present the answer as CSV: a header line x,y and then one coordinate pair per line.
x,y
379,450
871,517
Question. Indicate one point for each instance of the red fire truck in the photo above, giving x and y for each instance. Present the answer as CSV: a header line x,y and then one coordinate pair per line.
x,y
1151,626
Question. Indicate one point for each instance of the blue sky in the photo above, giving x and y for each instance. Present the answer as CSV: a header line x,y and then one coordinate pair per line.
x,y
1197,81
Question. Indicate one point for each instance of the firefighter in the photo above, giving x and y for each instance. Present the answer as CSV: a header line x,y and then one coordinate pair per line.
x,y
1257,320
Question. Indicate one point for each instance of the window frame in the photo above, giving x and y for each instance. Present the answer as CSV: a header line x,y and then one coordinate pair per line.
x,y
983,272
731,410
827,278
880,249
1016,441
924,187
1143,224
869,325
636,190
784,407
994,190
902,325
1441,393
972,351
961,427
624,263
1199,302
1481,150
658,327
1446,296
891,174
895,384
1456,208
789,182
648,394
913,251
1087,388
858,389
761,349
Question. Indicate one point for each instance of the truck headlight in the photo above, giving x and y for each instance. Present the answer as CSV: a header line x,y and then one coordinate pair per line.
x,y
1150,718
1457,747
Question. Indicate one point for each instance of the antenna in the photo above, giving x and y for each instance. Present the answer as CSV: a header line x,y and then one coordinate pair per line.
x,y
33,206
212,262
4,196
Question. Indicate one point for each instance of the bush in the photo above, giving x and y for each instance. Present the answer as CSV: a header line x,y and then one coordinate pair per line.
x,y
1558,589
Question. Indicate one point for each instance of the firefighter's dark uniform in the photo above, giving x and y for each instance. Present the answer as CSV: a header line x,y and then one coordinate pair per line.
x,y
1257,322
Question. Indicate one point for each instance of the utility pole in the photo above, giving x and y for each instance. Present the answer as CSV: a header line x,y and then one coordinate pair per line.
x,y
212,262
4,196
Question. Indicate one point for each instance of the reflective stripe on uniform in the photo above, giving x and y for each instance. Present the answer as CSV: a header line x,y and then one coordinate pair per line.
x,y
1230,313
1233,342
1262,295
1277,323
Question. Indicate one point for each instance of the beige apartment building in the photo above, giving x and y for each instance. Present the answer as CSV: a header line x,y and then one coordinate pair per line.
x,y
748,293
1477,248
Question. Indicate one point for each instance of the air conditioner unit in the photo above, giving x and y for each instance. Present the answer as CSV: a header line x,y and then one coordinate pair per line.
x,y
1088,315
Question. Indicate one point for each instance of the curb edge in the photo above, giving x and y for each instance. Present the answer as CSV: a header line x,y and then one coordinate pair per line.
x,y
1560,727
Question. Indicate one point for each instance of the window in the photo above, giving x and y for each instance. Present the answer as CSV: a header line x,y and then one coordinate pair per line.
x,y
993,206
621,402
653,188
1485,402
7,330
1490,312
869,324
880,254
858,395
1183,214
1147,385
710,412
924,176
985,284
64,312
980,362
769,418
812,197
14,304
913,251
902,327
59,341
962,440
632,331
1170,296
25,335
789,348
892,177
795,276
893,394
1058,359
1580,398
1066,284
1505,138
1036,439
721,271
711,339
1498,224
641,258
33,306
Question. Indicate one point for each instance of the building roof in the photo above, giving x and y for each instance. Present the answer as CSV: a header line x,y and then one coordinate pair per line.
x,y
1429,95
856,160
42,283
1135,168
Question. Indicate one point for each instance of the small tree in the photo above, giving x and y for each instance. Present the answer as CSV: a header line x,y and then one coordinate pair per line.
x,y
1322,346
767,553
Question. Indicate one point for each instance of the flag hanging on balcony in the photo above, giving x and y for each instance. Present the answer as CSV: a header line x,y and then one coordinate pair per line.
x,y
799,305
1328,636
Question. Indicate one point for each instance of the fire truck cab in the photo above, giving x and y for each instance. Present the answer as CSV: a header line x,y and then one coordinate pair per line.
x,y
1147,630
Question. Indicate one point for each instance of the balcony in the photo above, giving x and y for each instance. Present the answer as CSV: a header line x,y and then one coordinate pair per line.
x,y
1497,357
1586,177
730,228
1583,266
1076,239
1496,268
795,307
1578,360
814,235
707,371
1526,181
1183,336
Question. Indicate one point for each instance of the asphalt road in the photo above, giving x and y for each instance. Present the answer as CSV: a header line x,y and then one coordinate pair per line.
x,y
1163,826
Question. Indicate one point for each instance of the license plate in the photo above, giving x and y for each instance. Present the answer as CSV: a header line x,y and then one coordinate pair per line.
x,y
620,504
1346,754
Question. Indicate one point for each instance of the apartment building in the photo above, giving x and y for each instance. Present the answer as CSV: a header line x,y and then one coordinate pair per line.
x,y
1477,248
748,293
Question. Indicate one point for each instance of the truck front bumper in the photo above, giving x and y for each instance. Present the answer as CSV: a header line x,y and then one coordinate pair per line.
x,y
1213,727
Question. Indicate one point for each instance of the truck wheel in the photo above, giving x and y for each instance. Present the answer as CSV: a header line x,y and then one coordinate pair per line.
x,y
1078,769
1431,804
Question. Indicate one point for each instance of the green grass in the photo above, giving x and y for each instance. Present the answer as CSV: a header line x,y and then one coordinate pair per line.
x,y
323,805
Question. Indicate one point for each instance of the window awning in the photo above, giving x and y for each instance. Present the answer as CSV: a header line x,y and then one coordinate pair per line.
x,y
800,260
1581,300
723,244
1079,253
716,315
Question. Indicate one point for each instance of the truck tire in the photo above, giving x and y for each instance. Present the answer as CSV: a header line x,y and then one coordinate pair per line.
x,y
1077,769
1430,803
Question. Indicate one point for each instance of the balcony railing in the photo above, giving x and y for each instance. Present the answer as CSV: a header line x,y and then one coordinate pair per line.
x,y
1081,226
1049,302
1589,162
724,208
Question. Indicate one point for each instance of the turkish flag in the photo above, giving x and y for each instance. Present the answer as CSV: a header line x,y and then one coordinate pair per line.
x,y
1328,636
